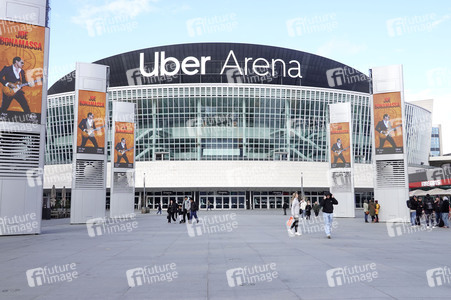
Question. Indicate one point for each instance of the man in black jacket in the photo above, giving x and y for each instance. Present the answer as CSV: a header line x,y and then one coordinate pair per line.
x,y
429,209
10,75
328,203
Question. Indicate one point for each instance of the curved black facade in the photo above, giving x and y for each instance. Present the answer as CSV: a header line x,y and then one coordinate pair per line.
x,y
316,71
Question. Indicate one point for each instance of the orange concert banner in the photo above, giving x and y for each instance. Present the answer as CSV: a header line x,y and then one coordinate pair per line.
x,y
388,123
21,75
91,122
124,141
340,151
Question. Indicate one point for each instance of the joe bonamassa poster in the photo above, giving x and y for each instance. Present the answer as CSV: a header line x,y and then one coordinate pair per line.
x,y
388,123
124,145
91,122
340,151
21,75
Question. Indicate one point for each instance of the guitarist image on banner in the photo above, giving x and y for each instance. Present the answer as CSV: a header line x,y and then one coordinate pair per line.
x,y
384,128
121,149
88,127
10,77
338,149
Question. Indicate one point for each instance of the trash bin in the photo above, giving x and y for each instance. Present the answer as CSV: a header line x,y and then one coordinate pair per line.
x,y
46,213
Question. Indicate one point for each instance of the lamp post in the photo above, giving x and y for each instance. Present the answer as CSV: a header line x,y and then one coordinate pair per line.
x,y
302,185
144,196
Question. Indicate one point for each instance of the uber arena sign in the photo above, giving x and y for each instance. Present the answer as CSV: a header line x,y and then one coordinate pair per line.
x,y
191,65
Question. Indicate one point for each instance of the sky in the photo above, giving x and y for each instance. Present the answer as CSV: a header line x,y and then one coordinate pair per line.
x,y
360,34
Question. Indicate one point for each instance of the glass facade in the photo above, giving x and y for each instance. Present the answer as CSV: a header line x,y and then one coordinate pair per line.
x,y
418,127
435,141
222,122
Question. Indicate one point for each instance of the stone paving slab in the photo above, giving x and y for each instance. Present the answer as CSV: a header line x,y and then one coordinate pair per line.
x,y
209,261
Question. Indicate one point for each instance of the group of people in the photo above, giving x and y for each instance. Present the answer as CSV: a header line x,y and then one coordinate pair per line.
x,y
181,212
435,211
371,209
305,208
327,203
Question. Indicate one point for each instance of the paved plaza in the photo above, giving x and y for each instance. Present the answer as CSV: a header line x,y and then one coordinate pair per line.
x,y
229,255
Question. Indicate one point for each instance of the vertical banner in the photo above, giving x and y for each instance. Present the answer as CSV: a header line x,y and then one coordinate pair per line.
x,y
22,71
341,145
341,179
124,141
89,167
388,123
91,127
122,199
24,44
390,158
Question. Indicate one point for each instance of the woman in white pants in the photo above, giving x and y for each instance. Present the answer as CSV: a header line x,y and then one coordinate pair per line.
x,y
295,214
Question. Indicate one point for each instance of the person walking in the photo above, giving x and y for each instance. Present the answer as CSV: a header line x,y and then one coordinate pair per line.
x,y
316,208
428,210
186,208
308,210
372,210
302,206
194,208
444,208
420,206
285,206
412,205
377,207
437,204
172,211
365,210
328,203
159,209
295,213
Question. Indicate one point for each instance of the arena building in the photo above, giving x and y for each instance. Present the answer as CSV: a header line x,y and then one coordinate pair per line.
x,y
233,125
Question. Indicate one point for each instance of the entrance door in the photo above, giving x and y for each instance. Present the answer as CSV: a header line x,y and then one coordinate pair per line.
x,y
218,202
226,202
241,202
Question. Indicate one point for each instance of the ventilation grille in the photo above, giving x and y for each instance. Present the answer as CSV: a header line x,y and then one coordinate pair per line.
x,y
390,173
89,174
123,182
19,153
